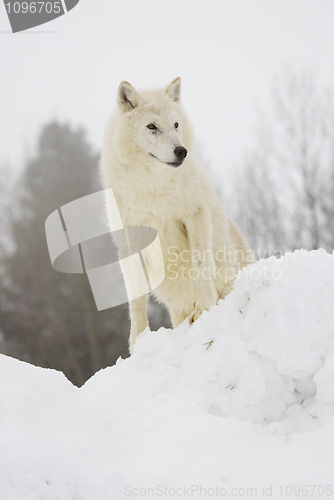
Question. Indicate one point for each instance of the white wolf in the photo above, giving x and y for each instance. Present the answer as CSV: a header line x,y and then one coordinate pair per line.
x,y
149,163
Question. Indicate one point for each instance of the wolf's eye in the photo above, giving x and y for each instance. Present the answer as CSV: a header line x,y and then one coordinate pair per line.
x,y
176,125
151,126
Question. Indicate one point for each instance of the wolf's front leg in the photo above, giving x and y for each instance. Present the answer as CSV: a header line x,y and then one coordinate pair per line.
x,y
199,230
138,317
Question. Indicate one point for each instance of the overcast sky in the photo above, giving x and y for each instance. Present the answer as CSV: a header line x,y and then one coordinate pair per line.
x,y
226,52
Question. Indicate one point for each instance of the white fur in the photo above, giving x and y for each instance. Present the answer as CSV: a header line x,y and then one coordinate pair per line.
x,y
179,202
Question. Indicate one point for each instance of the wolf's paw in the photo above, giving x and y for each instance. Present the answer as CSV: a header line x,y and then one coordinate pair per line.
x,y
195,314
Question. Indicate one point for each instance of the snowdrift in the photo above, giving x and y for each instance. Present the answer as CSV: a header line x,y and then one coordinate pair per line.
x,y
239,404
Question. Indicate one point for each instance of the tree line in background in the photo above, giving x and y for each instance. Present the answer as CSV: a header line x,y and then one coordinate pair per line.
x,y
283,198
283,195
46,317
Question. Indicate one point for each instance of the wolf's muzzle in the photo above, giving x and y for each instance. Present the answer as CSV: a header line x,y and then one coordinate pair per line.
x,y
180,153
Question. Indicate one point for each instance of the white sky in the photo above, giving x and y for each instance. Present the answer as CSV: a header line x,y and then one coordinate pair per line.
x,y
226,52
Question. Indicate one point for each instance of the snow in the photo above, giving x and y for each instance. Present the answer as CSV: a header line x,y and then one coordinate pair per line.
x,y
241,399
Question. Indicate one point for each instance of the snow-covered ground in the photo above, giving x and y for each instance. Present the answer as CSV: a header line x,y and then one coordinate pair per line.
x,y
240,404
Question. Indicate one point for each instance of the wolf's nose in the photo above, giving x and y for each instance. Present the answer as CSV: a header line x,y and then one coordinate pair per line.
x,y
180,152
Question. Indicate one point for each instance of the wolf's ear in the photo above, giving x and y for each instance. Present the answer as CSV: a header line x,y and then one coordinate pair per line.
x,y
127,97
174,89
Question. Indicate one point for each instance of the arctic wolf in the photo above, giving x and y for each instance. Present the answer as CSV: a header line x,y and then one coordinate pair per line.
x,y
148,161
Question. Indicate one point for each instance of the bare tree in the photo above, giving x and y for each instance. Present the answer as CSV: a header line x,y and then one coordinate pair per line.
x,y
7,196
285,187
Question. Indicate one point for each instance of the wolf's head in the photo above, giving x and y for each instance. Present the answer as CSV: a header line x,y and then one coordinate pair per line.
x,y
152,128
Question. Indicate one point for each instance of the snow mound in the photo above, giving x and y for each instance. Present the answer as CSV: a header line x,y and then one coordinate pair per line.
x,y
192,406
265,354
